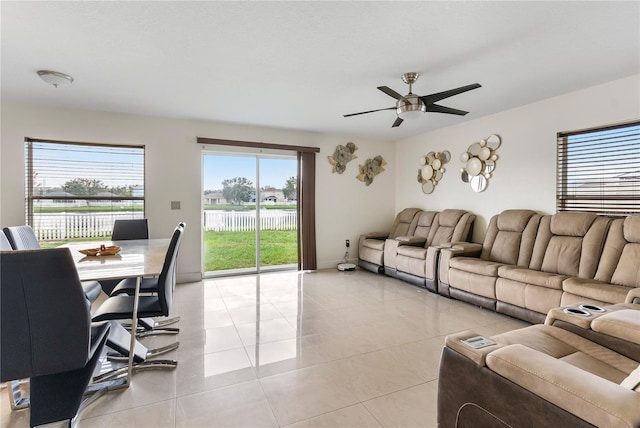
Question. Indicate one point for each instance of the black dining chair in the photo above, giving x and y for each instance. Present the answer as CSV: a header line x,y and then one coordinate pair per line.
x,y
121,307
125,230
24,238
135,229
46,332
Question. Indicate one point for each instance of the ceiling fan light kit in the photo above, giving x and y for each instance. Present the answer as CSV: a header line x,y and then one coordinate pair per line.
x,y
412,105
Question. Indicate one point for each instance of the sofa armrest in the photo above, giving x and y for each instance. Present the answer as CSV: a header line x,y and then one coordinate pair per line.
x,y
466,249
478,356
633,296
590,397
411,240
376,235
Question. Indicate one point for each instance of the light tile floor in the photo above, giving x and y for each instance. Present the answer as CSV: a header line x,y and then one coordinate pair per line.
x,y
314,349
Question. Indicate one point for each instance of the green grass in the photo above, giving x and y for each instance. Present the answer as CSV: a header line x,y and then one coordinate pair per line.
x,y
236,250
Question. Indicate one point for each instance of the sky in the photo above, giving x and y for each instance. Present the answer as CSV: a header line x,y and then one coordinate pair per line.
x,y
273,172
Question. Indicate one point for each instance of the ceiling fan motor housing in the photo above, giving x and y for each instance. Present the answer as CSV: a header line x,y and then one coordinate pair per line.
x,y
410,103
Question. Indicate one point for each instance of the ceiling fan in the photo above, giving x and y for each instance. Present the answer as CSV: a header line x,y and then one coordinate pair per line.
x,y
412,105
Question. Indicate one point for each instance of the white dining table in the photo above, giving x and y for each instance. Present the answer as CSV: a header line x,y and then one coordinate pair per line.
x,y
137,258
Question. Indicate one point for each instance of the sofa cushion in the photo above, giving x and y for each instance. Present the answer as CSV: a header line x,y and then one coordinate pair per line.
x,y
534,277
562,344
627,271
453,225
425,223
572,223
531,297
474,265
563,255
514,220
632,228
580,392
412,252
480,285
595,290
374,244
623,324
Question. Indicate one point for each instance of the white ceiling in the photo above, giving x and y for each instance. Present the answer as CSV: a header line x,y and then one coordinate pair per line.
x,y
302,65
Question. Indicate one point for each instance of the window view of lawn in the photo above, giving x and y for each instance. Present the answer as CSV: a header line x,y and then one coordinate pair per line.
x,y
236,250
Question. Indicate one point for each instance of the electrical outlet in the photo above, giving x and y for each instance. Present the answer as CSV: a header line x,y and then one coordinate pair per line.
x,y
175,205
346,243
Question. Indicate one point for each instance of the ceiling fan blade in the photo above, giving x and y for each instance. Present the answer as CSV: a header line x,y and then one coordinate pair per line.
x,y
432,98
435,108
397,122
390,92
370,111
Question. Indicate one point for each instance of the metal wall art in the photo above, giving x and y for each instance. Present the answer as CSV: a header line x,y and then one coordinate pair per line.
x,y
341,156
370,169
432,170
480,162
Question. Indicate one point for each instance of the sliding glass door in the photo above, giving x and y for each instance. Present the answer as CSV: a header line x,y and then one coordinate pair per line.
x,y
249,213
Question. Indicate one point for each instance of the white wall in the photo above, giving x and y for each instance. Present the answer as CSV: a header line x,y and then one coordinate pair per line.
x,y
525,174
345,206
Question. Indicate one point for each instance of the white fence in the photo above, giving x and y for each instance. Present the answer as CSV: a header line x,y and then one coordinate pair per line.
x,y
63,226
245,221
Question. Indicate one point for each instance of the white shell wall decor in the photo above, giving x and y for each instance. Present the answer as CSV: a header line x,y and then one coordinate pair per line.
x,y
480,162
432,169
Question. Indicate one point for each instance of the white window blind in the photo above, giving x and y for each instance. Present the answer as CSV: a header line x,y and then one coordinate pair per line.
x,y
76,190
598,170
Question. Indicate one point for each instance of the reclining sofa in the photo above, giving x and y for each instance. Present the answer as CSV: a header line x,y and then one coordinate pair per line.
x,y
530,264
545,375
410,251
414,259
371,245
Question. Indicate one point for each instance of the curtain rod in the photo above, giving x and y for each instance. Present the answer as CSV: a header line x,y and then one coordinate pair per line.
x,y
238,143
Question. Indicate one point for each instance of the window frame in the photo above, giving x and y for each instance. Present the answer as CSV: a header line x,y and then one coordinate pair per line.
x,y
30,197
601,199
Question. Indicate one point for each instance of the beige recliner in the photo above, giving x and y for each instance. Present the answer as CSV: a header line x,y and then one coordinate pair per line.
x,y
543,376
371,245
469,271
416,262
617,272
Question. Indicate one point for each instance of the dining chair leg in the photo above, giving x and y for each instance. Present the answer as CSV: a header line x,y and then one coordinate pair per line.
x,y
150,353
17,399
145,365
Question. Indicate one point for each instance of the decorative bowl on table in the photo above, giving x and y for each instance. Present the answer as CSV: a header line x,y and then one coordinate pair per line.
x,y
101,251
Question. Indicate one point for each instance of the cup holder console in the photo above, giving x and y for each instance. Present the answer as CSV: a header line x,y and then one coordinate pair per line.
x,y
576,311
591,308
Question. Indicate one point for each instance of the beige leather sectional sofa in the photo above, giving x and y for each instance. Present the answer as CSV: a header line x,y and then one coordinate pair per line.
x,y
530,263
410,251
546,375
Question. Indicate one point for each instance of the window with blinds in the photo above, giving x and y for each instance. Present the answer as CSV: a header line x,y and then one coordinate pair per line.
x,y
598,170
77,190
